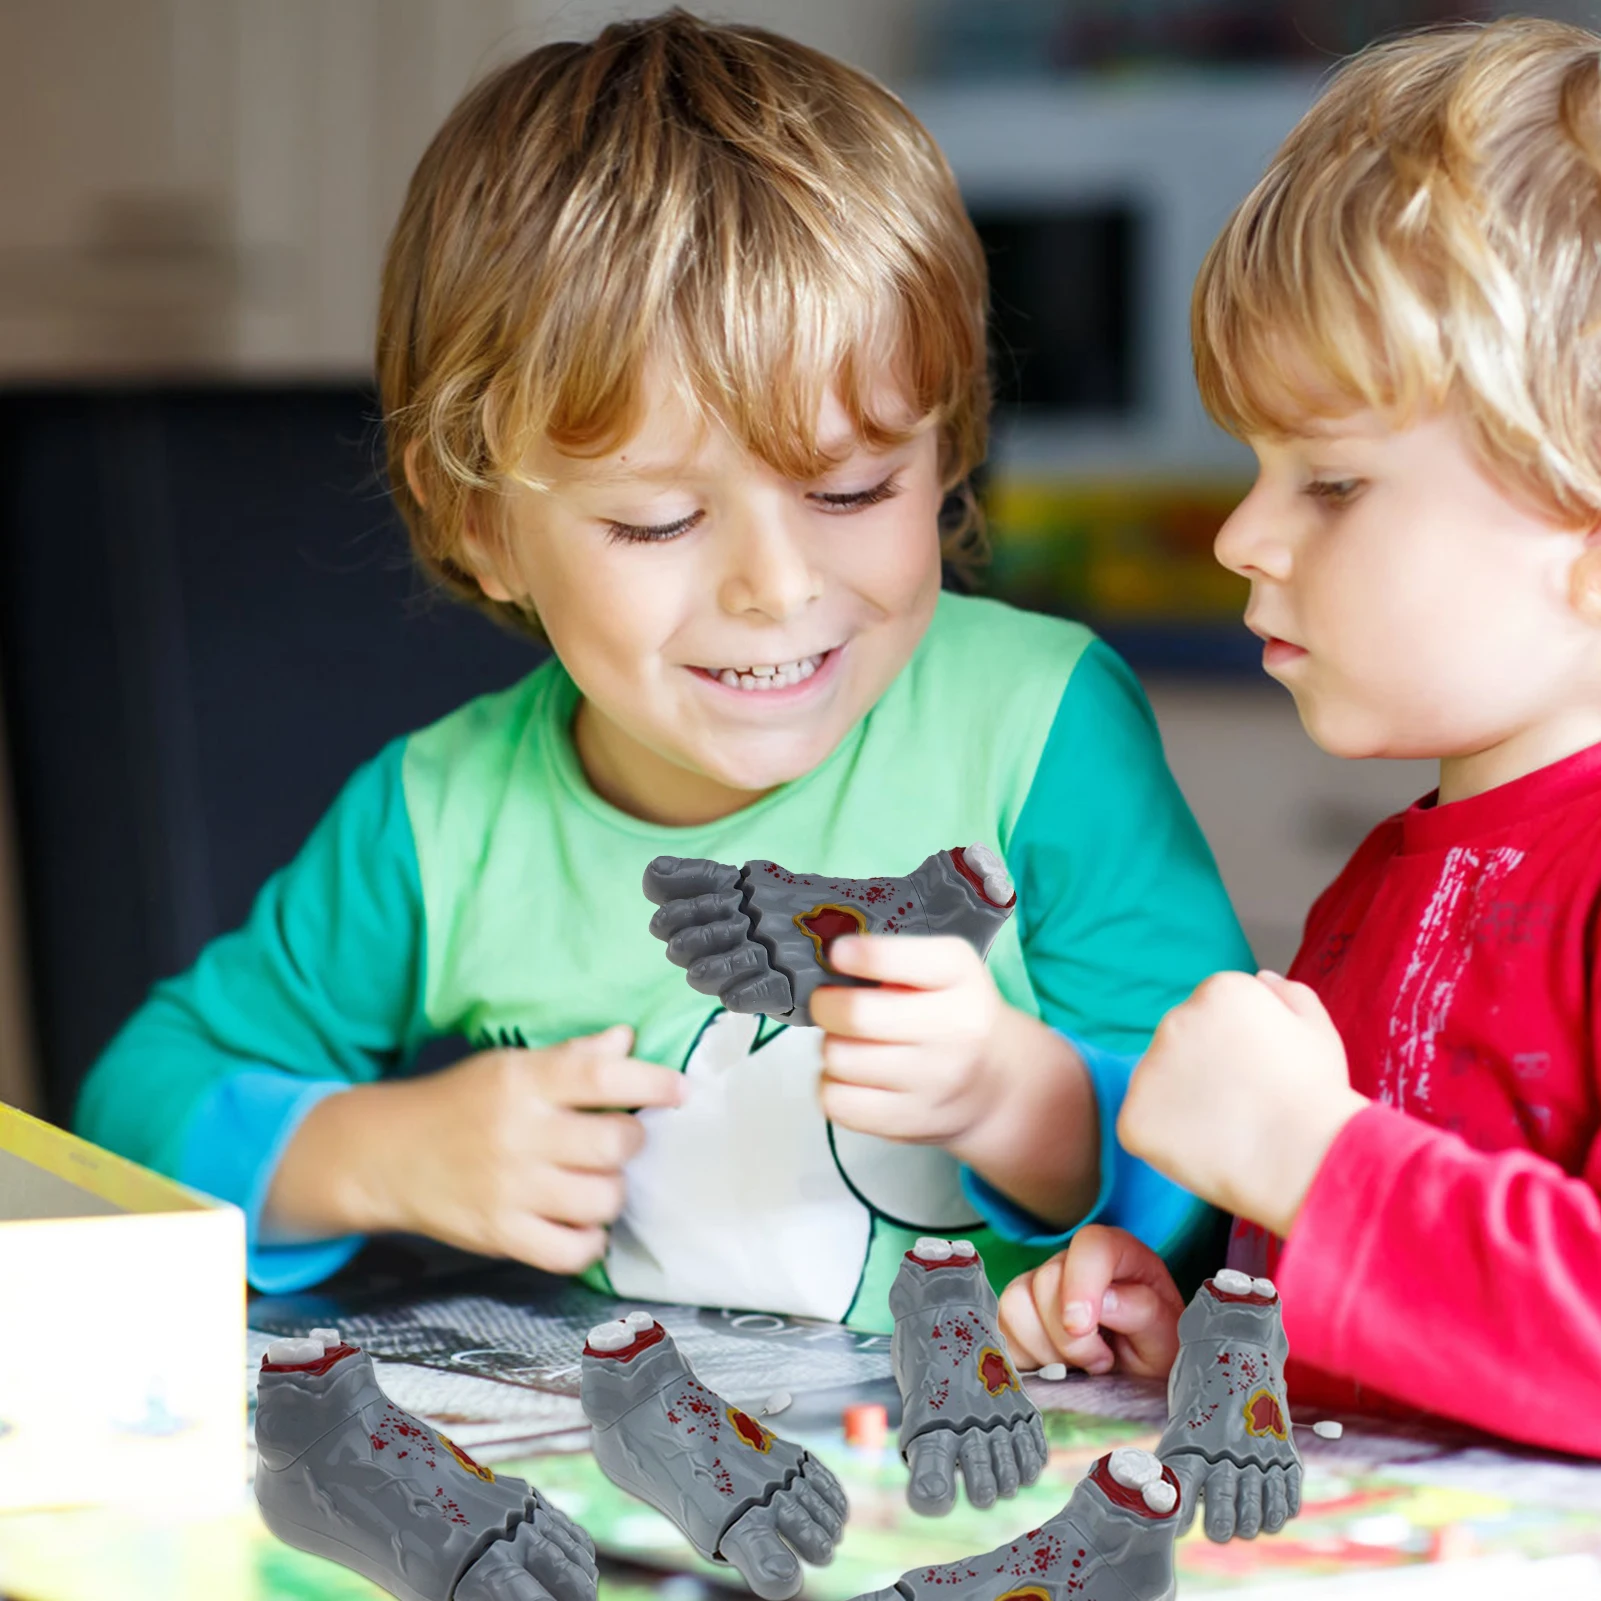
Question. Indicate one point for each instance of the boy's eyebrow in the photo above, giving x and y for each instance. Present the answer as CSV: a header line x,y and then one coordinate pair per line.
x,y
621,470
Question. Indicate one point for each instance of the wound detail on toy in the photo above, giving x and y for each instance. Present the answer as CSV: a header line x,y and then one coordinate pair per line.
x,y
1113,1541
962,1406
757,936
827,923
1264,1415
994,1371
345,1473
1228,1436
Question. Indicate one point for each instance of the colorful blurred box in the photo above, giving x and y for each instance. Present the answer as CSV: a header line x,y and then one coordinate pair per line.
x,y
122,1329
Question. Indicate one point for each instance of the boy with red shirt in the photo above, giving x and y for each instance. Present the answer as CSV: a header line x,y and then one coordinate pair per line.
x,y
1404,322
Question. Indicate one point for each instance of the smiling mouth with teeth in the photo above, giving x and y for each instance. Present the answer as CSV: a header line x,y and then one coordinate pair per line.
x,y
782,675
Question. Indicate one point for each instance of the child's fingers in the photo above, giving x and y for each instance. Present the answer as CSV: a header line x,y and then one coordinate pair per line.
x,y
554,1247
565,1195
896,1016
588,1079
919,962
873,1066
1301,999
587,1142
1144,1327
1081,1344
1100,1257
886,1113
1023,1328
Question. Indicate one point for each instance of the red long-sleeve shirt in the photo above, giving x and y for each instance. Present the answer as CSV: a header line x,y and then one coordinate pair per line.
x,y
1448,1255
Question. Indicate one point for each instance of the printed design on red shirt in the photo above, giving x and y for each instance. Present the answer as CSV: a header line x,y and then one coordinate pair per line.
x,y
1441,950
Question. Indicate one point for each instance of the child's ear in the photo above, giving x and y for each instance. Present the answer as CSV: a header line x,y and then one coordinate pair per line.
x,y
1584,579
478,557
477,550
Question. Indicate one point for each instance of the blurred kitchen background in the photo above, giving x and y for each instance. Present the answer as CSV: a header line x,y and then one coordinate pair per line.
x,y
207,618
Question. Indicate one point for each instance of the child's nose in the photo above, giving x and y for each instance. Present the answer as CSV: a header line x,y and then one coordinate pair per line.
x,y
770,569
1251,542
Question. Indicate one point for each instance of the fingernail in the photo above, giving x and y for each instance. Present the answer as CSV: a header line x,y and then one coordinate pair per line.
x,y
1078,1318
1267,972
1110,1301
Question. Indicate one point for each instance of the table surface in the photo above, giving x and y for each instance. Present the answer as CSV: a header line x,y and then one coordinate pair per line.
x,y
1388,1510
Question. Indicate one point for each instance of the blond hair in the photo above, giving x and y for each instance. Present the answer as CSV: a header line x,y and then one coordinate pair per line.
x,y
1428,236
760,219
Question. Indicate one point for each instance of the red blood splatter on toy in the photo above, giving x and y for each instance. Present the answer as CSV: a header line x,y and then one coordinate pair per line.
x,y
1263,1415
1130,1499
1223,1357
994,1371
642,1342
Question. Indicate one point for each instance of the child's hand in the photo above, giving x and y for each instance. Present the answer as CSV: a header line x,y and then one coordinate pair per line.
x,y
1241,1094
517,1152
1106,1301
910,1061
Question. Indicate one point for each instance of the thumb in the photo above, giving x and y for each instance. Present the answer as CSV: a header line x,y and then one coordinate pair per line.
x,y
1301,999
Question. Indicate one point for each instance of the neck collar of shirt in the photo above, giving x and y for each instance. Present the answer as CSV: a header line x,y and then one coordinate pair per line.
x,y
1428,826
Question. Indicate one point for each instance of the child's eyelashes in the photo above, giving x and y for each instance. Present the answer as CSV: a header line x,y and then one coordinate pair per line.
x,y
1333,492
856,500
832,501
634,534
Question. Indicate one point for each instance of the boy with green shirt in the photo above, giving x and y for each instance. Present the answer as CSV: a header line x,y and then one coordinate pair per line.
x,y
682,353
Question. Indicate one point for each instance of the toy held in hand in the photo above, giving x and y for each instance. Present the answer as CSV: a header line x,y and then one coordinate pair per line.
x,y
758,936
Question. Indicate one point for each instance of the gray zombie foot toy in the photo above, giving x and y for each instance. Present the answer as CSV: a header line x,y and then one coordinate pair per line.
x,y
1229,1437
757,936
961,1400
739,1493
1113,1541
344,1473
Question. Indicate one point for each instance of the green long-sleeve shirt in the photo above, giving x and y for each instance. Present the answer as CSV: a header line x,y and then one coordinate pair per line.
x,y
468,882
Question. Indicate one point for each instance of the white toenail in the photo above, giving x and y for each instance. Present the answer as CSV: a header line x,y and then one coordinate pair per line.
x,y
1232,1283
932,1250
1133,1468
611,1336
291,1353
777,1402
1264,1287
329,1337
1160,1496
1326,1430
963,1248
983,860
1053,1370
639,1320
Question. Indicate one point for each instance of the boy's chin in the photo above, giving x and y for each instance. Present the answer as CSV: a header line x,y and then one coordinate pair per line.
x,y
1340,730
